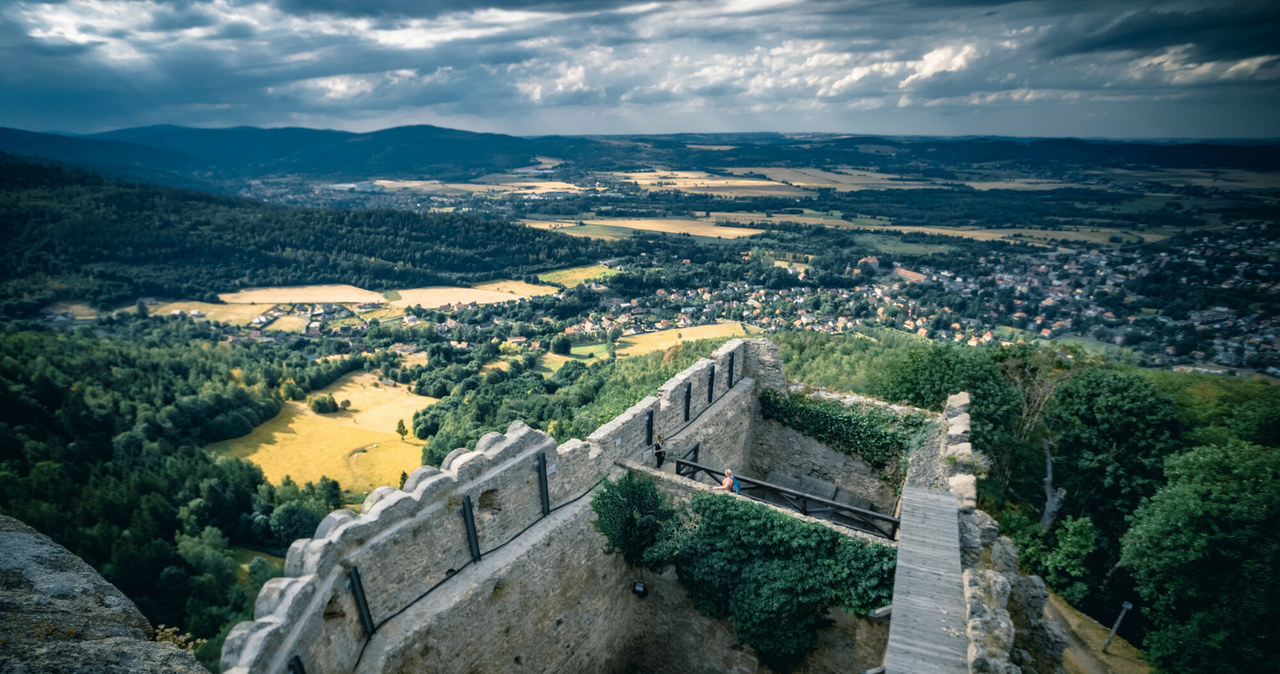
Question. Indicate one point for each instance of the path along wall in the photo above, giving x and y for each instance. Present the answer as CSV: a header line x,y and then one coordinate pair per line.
x,y
407,545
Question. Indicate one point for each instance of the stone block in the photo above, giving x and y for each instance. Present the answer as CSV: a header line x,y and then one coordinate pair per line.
x,y
418,476
958,428
957,404
332,521
965,489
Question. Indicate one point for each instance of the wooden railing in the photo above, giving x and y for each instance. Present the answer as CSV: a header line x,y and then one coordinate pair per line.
x,y
835,512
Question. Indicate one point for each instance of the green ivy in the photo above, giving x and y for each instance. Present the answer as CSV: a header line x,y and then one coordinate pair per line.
x,y
773,576
874,433
629,513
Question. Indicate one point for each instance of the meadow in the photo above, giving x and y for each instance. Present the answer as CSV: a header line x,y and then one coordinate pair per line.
x,y
333,293
358,446
700,182
694,227
575,276
235,314
637,345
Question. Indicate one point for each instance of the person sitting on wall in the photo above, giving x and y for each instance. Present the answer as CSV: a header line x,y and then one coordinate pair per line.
x,y
730,483
659,452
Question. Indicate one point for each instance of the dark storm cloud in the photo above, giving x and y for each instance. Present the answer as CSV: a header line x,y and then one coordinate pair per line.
x,y
1236,31
521,65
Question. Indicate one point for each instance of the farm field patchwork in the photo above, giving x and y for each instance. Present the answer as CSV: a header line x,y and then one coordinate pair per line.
x,y
700,182
843,179
358,447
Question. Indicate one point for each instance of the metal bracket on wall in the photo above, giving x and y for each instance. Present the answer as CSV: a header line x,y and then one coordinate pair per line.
x,y
540,465
357,589
469,516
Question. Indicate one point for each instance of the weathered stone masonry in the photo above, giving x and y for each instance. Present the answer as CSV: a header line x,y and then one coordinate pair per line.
x,y
543,596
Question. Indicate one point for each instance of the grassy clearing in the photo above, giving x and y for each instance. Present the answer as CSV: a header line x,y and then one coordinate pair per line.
x,y
844,179
438,296
519,288
332,293
588,351
604,232
575,276
1084,644
290,323
550,363
80,310
357,447
693,227
637,345
235,314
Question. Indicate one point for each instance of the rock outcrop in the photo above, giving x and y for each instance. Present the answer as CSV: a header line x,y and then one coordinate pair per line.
x,y
58,615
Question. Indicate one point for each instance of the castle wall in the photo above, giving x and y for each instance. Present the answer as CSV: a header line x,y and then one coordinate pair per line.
x,y
411,544
775,447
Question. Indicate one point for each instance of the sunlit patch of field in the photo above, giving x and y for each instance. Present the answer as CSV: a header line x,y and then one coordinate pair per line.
x,y
1040,237
499,183
808,218
574,276
550,363
788,264
333,293
602,232
290,323
235,314
636,345
698,227
588,351
358,447
80,310
705,183
843,179
713,148
517,288
384,314
498,364
438,296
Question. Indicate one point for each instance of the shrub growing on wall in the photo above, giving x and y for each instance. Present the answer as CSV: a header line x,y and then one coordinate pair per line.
x,y
773,576
873,433
629,513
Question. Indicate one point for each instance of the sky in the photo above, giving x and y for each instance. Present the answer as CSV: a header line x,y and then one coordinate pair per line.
x,y
1119,68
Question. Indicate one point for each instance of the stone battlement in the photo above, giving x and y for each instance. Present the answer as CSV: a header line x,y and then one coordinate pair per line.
x,y
406,543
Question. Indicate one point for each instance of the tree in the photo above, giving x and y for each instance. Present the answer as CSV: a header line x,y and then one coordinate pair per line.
x,y
629,513
1204,555
401,430
560,344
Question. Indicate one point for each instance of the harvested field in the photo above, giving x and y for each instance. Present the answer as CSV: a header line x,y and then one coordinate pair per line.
x,y
235,314
705,183
550,363
517,288
290,323
574,276
637,345
334,294
358,447
438,296
586,231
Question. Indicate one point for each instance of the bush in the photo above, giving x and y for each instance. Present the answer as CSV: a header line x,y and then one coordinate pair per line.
x,y
629,513
772,575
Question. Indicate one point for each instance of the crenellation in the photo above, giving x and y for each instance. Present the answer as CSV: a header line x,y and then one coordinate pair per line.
x,y
412,550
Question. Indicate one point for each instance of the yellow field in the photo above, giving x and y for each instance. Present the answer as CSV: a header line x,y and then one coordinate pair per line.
x,y
698,227
438,296
358,447
309,294
517,288
235,314
706,183
648,342
491,184
290,323
575,276
787,264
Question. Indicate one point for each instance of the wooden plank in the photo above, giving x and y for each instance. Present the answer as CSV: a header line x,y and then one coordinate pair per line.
x,y
927,629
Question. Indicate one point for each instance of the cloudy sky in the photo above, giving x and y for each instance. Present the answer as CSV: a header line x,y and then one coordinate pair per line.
x,y
1118,68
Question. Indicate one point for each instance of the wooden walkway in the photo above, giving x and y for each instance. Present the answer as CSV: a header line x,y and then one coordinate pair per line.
x,y
927,627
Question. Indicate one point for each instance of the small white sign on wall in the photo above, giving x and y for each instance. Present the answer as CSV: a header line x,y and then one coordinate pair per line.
x,y
551,469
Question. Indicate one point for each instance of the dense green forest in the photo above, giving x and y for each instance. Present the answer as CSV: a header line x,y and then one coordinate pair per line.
x,y
1163,486
67,234
101,443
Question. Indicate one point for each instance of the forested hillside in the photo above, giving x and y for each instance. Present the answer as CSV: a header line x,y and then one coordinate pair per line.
x,y
1118,484
67,234
101,448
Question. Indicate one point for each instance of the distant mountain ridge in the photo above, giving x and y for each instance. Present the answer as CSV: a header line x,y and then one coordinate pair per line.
x,y
214,158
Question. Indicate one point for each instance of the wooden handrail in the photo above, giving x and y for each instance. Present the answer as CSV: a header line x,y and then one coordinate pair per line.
x,y
690,469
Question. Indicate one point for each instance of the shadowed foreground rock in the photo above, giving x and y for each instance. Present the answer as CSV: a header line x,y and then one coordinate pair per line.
x,y
59,615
